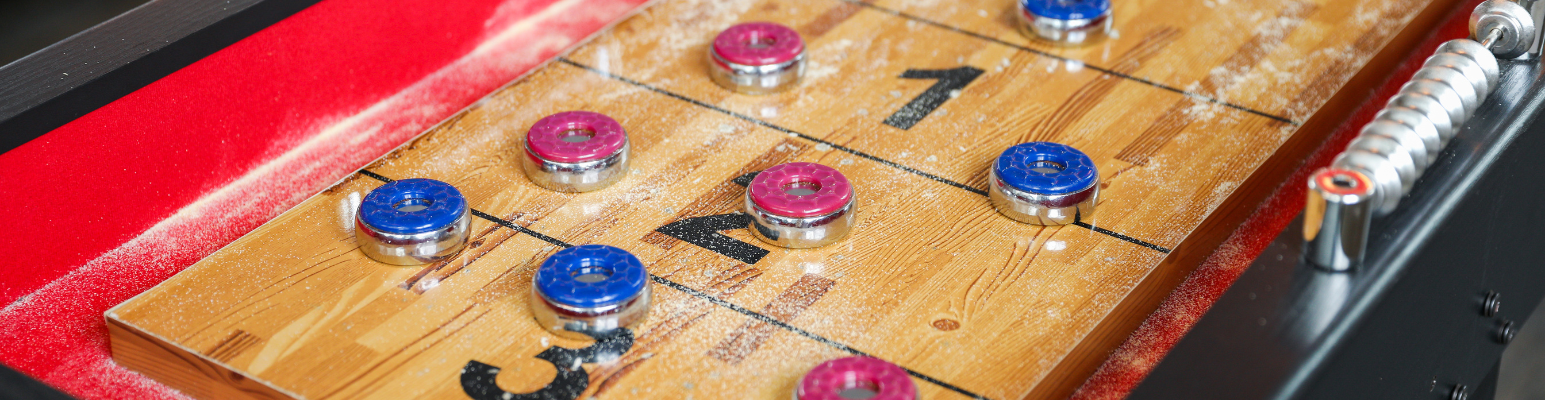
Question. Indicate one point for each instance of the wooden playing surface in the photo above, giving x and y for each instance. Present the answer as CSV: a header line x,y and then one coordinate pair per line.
x,y
1192,111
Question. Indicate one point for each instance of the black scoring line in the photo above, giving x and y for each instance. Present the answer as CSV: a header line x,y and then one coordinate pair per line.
x,y
376,176
1117,235
775,127
522,229
712,299
849,150
775,322
1107,71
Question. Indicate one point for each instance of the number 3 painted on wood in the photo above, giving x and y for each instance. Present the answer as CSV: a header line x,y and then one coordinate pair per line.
x,y
478,379
950,80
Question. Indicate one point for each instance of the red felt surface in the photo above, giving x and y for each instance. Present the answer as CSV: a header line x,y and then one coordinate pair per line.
x,y
113,173
128,195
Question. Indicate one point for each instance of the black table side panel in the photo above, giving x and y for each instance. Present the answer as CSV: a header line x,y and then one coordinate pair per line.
x,y
16,386
1408,324
62,82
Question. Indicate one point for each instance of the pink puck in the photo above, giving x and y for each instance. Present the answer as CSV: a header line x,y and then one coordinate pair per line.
x,y
800,189
758,44
830,379
576,136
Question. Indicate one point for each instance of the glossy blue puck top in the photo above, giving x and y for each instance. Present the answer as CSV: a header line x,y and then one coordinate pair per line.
x,y
1066,9
412,206
591,276
1046,168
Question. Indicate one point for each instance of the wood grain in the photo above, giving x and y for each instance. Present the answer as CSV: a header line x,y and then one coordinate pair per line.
x,y
750,336
1192,113
188,371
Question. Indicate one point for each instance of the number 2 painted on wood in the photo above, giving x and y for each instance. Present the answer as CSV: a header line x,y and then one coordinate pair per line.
x,y
950,81
704,231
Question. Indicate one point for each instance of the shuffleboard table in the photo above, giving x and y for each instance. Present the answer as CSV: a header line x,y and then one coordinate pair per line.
x,y
1201,117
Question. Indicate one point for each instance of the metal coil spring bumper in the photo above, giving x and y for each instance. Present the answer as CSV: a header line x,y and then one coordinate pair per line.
x,y
1382,164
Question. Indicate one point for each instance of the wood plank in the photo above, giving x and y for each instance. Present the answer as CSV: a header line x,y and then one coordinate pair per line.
x,y
187,371
932,279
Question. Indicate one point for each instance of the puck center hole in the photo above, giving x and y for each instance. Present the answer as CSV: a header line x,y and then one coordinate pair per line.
x,y
1343,182
855,389
801,188
576,135
759,41
1047,167
591,274
413,205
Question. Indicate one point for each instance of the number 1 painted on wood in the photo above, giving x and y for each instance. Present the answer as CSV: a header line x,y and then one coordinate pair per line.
x,y
950,81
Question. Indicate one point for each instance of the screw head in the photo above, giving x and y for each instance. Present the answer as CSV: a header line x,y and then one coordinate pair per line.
x,y
1506,332
1492,305
1460,392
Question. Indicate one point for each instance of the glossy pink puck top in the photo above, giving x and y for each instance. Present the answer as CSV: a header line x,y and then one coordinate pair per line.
x,y
828,380
576,136
758,43
783,190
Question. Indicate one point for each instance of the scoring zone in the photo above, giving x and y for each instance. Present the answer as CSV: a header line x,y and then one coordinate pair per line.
x,y
932,279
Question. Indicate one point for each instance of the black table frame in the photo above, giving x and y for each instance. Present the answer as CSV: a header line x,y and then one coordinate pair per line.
x,y
1410,324
66,80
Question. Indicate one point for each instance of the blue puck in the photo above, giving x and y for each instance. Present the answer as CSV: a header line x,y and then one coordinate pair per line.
x,y
411,206
591,276
1068,10
1046,168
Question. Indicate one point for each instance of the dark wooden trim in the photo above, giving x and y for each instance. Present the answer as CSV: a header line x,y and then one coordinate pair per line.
x,y
62,82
